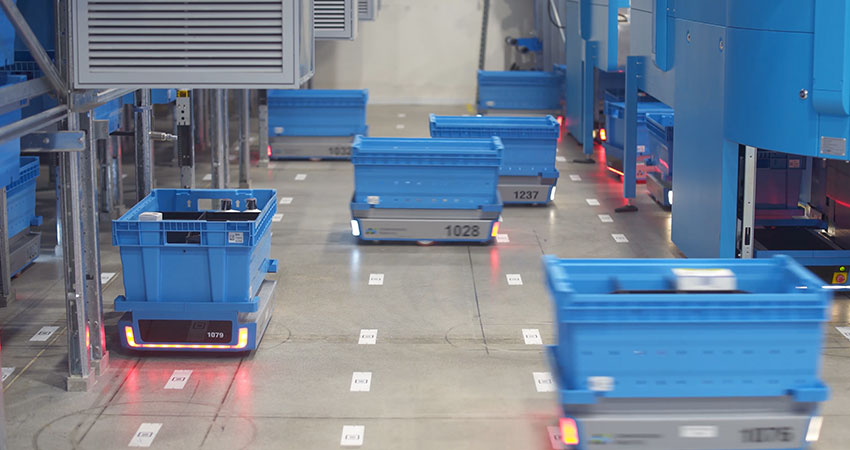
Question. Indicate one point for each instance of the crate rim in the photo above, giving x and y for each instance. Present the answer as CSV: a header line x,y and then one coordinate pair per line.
x,y
559,283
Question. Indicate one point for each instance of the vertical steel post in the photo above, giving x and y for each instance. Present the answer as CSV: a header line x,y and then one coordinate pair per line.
x,y
95,335
7,294
176,145
225,108
218,153
184,123
144,150
749,203
79,363
263,126
589,100
633,67
2,418
244,137
106,176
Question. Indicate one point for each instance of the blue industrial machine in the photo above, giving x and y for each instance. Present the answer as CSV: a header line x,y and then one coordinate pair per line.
x,y
315,123
612,53
426,190
528,174
194,264
688,353
791,101
597,39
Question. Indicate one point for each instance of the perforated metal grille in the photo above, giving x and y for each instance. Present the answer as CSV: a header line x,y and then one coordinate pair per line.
x,y
329,14
212,41
366,9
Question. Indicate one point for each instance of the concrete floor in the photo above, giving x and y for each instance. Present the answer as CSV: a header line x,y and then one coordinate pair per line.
x,y
450,368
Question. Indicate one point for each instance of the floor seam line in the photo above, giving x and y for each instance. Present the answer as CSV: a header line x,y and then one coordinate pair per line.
x,y
221,404
477,304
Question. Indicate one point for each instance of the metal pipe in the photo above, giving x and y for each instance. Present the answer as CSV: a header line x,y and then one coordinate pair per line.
x,y
34,122
160,136
14,94
244,137
36,50
144,151
556,16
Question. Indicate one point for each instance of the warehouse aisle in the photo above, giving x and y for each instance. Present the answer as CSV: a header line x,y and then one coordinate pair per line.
x,y
444,353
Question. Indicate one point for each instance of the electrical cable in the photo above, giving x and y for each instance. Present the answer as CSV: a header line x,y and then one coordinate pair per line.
x,y
551,18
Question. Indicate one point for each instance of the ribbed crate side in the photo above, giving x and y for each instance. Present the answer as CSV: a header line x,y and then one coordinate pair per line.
x,y
318,112
763,340
222,262
615,122
484,127
20,196
10,151
433,187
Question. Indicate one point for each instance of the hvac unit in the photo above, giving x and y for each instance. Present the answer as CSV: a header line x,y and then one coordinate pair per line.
x,y
368,9
192,43
335,19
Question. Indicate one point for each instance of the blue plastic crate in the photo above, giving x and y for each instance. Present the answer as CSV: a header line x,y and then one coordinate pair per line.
x,y
561,71
427,173
313,112
615,124
20,197
530,142
660,133
158,97
191,259
110,111
163,96
520,90
10,151
7,40
623,320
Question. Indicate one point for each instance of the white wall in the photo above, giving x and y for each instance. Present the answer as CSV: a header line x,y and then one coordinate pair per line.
x,y
422,51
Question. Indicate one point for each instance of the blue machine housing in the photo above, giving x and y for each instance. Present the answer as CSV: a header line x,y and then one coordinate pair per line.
x,y
793,99
520,90
624,319
197,264
318,112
